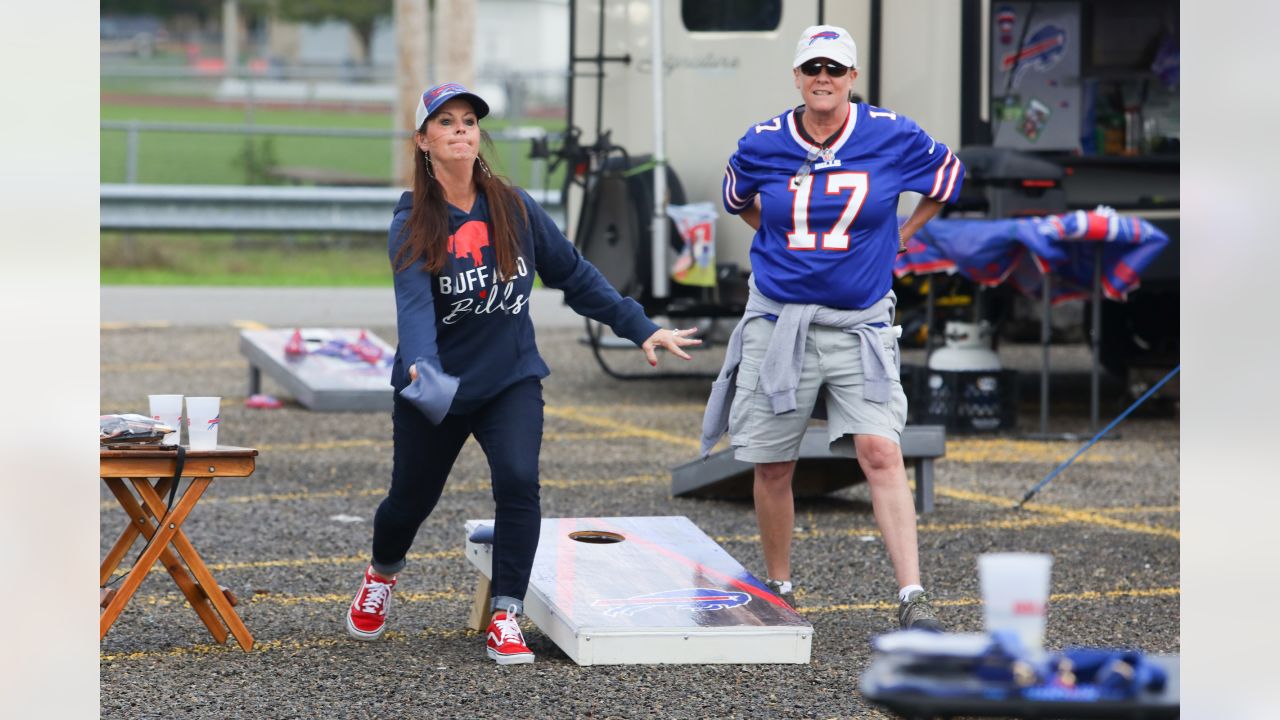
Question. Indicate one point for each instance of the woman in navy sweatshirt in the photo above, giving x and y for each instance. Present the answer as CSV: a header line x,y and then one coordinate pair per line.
x,y
464,246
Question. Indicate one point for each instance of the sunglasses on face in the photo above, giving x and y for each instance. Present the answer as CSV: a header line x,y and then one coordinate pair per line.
x,y
813,67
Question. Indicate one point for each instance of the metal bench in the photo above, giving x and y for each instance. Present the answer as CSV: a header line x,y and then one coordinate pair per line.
x,y
820,470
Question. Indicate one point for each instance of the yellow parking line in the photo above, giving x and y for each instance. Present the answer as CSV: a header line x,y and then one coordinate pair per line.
x,y
576,415
323,445
692,408
267,598
456,487
157,366
1135,510
332,560
386,442
355,560
275,497
968,450
313,643
584,436
1089,518
1007,524
248,325
1088,595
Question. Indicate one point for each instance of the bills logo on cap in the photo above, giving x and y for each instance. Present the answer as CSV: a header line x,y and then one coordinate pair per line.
x,y
824,35
691,599
434,93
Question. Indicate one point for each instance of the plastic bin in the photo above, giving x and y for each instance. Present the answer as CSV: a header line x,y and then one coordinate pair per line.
x,y
964,401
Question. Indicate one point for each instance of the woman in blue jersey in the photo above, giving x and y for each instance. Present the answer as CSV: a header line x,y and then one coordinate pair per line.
x,y
464,246
820,184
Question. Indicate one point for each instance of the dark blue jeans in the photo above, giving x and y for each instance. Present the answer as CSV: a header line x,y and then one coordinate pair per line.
x,y
509,430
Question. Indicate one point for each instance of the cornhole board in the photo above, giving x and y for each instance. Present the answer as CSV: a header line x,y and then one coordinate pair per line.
x,y
318,381
666,593
821,469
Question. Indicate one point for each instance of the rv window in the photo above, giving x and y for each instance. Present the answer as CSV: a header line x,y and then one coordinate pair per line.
x,y
731,15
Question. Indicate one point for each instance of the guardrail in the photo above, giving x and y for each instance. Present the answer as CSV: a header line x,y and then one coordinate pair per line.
x,y
510,138
260,208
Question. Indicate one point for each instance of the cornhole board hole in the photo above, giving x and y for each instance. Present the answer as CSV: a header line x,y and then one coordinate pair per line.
x,y
330,375
821,468
648,590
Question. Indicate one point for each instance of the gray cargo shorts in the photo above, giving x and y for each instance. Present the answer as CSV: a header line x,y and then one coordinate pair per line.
x,y
833,365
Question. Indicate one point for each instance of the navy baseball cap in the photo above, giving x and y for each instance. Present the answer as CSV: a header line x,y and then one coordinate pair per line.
x,y
434,97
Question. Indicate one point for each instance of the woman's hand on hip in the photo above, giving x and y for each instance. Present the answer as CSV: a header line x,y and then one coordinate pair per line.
x,y
671,341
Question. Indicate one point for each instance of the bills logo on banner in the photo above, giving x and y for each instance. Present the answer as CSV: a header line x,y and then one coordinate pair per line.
x,y
1042,50
691,599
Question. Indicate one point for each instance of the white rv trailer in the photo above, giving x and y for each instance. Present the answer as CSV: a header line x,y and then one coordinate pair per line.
x,y
717,82
726,64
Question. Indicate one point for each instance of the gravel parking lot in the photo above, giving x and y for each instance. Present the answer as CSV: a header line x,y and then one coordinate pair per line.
x,y
292,539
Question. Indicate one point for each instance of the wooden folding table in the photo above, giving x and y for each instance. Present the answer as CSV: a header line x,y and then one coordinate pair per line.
x,y
140,480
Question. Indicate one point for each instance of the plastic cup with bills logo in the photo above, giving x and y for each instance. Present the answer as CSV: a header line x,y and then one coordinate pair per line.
x,y
168,410
202,422
1015,595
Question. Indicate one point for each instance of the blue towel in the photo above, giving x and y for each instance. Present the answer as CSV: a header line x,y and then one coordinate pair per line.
x,y
432,392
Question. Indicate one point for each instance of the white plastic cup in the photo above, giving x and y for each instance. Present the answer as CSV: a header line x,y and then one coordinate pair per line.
x,y
202,422
168,410
1015,595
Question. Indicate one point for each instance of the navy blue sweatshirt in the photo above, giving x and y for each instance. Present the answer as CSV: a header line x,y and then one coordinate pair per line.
x,y
468,324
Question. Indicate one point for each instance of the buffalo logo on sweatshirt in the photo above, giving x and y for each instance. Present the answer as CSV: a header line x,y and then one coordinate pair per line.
x,y
469,240
478,290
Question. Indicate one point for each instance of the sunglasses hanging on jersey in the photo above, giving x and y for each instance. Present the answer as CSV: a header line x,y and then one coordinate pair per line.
x,y
827,155
813,67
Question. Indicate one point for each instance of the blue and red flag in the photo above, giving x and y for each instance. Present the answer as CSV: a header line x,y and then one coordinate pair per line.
x,y
1022,251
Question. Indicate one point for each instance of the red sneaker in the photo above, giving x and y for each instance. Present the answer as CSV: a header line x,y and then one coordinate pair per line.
x,y
367,616
504,641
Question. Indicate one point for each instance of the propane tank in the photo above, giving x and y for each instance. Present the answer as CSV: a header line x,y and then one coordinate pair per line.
x,y
968,347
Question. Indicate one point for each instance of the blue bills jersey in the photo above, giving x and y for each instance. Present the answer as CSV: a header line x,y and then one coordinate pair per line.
x,y
828,216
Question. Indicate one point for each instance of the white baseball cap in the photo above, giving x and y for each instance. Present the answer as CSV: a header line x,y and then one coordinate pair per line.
x,y
826,41
434,97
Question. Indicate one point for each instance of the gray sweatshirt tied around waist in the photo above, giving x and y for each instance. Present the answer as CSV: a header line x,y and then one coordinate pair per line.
x,y
780,370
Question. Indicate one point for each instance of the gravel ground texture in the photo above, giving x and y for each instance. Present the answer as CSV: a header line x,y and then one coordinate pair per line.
x,y
292,539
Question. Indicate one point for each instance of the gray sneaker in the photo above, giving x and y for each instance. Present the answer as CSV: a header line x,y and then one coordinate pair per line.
x,y
787,597
915,613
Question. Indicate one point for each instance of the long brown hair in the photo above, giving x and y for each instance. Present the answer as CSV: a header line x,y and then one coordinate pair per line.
x,y
428,224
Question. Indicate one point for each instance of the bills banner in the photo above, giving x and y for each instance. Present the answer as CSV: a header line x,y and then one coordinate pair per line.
x,y
696,264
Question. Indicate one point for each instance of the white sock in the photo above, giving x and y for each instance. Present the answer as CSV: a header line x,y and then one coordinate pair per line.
x,y
785,587
905,592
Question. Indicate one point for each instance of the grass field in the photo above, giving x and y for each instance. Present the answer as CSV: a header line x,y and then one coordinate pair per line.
x,y
223,259
254,260
181,158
